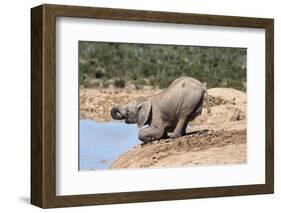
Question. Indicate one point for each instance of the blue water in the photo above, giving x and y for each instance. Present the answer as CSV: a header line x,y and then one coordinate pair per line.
x,y
102,143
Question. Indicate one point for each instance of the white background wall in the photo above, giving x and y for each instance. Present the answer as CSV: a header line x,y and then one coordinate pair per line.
x,y
15,104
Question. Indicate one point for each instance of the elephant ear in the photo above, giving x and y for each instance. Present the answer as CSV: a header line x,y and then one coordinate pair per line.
x,y
144,108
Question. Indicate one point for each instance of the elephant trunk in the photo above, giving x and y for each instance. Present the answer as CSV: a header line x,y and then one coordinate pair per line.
x,y
116,114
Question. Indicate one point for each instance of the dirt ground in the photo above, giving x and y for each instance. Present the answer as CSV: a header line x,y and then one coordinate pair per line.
x,y
210,148
214,138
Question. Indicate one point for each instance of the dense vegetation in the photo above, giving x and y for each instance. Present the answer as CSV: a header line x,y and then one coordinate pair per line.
x,y
119,64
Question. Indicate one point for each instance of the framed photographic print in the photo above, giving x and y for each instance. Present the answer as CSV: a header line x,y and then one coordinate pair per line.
x,y
136,106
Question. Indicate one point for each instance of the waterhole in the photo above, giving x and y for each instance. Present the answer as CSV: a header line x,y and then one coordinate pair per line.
x,y
100,144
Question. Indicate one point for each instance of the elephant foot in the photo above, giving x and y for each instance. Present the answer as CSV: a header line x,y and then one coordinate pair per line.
x,y
145,139
176,135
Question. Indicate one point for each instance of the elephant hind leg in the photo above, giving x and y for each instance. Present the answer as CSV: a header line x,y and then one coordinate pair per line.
x,y
180,129
196,112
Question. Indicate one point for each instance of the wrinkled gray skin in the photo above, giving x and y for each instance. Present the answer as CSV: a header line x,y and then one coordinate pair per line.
x,y
168,111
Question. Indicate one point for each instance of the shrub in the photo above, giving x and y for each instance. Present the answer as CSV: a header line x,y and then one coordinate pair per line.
x,y
119,83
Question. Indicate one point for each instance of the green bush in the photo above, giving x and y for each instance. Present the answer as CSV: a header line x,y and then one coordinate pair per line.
x,y
119,83
140,81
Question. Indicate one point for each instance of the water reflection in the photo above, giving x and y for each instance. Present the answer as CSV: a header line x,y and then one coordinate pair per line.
x,y
102,143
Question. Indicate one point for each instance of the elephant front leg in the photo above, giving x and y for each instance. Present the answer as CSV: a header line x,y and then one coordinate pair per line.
x,y
180,128
151,133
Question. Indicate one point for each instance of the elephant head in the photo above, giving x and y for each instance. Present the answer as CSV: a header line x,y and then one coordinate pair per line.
x,y
136,111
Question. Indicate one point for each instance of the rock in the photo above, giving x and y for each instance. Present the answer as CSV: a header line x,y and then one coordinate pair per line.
x,y
228,95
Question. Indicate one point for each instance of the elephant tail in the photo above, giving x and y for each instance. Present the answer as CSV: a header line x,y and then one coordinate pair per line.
x,y
204,87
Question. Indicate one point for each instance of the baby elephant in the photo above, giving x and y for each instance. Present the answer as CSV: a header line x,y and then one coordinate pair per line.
x,y
168,111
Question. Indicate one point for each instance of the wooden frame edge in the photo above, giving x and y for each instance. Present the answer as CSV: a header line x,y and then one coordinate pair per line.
x,y
36,106
269,118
